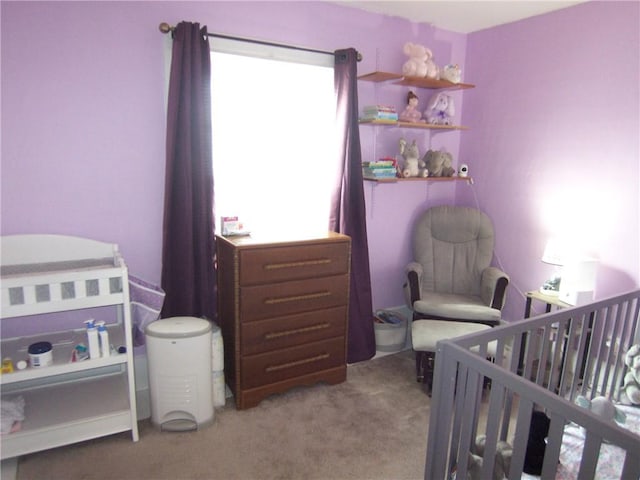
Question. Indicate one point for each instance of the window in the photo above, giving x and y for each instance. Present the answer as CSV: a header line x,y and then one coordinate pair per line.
x,y
273,117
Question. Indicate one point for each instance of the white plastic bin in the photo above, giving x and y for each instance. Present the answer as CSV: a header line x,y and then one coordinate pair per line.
x,y
179,357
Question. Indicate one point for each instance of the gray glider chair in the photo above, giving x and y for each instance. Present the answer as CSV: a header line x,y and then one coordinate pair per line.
x,y
451,287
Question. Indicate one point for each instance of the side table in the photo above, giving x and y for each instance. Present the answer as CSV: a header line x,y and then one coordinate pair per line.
x,y
549,300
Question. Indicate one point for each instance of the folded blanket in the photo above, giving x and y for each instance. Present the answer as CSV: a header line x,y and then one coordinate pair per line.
x,y
11,414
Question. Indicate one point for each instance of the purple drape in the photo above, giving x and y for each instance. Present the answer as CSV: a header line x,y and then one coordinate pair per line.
x,y
348,214
188,275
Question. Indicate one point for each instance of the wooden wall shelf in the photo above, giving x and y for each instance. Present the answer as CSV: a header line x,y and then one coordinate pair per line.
x,y
419,179
426,126
419,82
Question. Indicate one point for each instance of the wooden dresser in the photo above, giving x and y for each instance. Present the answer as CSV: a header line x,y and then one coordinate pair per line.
x,y
283,309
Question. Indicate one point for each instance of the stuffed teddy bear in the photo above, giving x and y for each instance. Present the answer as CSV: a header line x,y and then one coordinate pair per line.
x,y
438,163
420,63
632,379
440,109
413,166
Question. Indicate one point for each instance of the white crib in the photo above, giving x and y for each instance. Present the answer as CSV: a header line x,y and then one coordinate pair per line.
x,y
542,363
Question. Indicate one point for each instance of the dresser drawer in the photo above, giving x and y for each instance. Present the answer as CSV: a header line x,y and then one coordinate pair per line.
x,y
276,264
262,369
286,298
283,332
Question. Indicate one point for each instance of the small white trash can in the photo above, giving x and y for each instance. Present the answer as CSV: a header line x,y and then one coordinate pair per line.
x,y
179,362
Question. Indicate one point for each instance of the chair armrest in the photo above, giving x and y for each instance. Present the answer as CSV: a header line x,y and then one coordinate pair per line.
x,y
493,287
412,287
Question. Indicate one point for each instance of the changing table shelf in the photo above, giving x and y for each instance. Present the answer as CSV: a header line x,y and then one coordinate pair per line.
x,y
63,345
57,415
66,402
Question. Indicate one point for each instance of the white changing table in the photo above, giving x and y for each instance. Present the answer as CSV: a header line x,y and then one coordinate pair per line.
x,y
66,402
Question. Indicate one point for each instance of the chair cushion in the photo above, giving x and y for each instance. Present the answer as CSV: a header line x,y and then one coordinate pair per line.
x,y
454,245
455,307
425,334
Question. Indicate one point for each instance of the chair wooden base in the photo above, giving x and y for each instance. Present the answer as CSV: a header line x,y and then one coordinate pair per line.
x,y
424,369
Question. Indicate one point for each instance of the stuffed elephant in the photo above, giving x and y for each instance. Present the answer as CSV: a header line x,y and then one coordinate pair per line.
x,y
438,163
413,166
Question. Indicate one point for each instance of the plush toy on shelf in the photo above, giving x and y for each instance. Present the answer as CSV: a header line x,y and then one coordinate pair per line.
x,y
440,109
451,73
631,386
420,62
411,112
438,163
412,166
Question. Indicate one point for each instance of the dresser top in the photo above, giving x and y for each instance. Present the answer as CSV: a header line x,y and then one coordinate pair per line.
x,y
277,239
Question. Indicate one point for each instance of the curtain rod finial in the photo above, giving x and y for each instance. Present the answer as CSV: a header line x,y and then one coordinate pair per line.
x,y
165,27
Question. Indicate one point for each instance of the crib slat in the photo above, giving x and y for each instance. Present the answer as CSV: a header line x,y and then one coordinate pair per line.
x,y
601,350
496,400
575,343
631,468
554,444
467,419
530,353
521,437
588,338
590,455
440,458
544,354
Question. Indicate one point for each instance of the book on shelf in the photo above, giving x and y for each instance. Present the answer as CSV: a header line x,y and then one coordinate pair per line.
x,y
392,118
369,176
388,172
379,172
378,109
378,120
378,177
383,162
379,113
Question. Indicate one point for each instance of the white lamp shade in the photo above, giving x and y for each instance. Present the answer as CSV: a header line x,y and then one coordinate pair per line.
x,y
554,252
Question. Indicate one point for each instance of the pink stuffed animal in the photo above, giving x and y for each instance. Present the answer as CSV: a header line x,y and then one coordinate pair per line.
x,y
420,62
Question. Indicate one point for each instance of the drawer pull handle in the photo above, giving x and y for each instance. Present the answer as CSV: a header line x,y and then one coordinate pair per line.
x,y
282,366
302,263
295,298
312,328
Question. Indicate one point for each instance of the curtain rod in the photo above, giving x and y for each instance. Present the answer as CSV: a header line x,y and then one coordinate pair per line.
x,y
164,27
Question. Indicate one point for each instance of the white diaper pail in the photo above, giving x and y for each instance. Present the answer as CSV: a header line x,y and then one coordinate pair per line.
x,y
179,362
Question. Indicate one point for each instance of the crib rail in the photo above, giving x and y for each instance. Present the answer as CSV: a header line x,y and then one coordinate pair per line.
x,y
542,363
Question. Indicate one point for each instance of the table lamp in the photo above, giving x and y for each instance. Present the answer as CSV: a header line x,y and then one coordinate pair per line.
x,y
553,255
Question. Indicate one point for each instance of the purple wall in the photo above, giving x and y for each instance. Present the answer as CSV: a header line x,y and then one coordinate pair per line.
x,y
553,144
83,94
